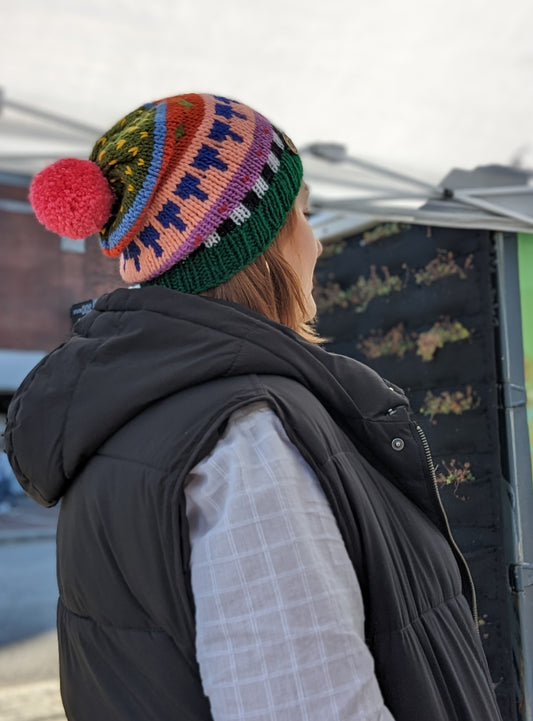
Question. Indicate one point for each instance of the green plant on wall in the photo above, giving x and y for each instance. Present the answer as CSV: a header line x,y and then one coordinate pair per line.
x,y
332,248
455,474
330,296
396,342
483,624
385,230
382,283
443,266
360,293
449,402
444,331
366,289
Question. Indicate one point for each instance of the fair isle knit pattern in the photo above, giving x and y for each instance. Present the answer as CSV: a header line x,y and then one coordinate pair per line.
x,y
202,186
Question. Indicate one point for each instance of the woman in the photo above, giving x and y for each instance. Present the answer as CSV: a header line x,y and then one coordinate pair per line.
x,y
249,527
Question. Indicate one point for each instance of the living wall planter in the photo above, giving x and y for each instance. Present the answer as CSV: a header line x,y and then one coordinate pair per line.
x,y
465,294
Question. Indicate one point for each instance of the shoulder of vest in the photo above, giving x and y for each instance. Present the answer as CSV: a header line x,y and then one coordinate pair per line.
x,y
175,433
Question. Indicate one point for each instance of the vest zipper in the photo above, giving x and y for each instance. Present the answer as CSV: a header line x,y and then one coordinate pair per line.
x,y
431,468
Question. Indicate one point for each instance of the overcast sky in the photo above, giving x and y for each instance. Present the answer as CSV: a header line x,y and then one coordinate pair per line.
x,y
419,85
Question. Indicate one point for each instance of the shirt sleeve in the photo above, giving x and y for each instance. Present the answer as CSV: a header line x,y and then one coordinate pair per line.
x,y
279,612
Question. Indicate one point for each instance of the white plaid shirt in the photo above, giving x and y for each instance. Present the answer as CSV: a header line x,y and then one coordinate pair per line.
x,y
279,612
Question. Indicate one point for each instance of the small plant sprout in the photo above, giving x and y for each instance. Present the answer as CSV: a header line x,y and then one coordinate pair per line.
x,y
483,624
394,343
447,403
330,296
360,293
444,331
386,230
332,248
366,289
455,474
443,266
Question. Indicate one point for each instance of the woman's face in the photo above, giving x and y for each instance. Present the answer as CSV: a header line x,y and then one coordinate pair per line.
x,y
302,249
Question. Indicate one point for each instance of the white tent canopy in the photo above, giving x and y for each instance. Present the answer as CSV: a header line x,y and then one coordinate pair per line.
x,y
349,194
420,86
30,138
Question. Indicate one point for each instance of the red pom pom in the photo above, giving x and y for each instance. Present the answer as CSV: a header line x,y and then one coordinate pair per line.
x,y
72,198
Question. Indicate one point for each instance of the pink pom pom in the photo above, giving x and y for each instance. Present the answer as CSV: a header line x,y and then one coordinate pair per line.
x,y
72,198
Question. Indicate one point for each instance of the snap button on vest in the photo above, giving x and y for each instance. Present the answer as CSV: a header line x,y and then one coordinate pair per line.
x,y
397,444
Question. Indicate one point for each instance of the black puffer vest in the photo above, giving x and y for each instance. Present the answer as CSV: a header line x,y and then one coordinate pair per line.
x,y
113,421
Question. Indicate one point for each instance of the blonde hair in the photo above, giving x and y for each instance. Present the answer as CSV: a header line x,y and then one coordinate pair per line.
x,y
270,286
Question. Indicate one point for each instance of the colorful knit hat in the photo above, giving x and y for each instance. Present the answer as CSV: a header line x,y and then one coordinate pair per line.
x,y
188,190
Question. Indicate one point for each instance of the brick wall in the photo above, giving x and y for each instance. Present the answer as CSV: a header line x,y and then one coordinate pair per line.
x,y
39,281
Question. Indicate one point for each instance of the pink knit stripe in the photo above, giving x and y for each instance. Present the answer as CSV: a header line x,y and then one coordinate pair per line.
x,y
240,183
225,188
166,189
229,199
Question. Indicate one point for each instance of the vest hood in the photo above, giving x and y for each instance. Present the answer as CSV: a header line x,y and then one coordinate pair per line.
x,y
139,346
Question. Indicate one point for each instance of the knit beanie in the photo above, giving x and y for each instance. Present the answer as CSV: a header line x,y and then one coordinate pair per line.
x,y
187,190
